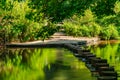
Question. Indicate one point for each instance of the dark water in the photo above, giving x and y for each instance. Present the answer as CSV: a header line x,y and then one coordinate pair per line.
x,y
42,64
109,51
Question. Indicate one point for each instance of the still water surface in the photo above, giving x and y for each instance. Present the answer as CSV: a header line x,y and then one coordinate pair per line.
x,y
41,64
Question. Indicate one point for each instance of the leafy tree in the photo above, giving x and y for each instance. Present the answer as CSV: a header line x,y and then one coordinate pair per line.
x,y
104,7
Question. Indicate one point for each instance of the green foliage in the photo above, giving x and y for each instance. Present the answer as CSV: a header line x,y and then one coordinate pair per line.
x,y
88,16
83,25
117,7
24,20
89,26
103,7
70,28
109,32
27,30
85,31
46,31
61,9
95,29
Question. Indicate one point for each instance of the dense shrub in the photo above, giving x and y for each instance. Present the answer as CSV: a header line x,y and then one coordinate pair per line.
x,y
20,25
85,31
89,26
109,32
46,31
82,25
117,7
71,28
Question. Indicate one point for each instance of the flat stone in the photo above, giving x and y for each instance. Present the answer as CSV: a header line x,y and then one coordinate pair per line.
x,y
97,60
106,69
106,78
108,73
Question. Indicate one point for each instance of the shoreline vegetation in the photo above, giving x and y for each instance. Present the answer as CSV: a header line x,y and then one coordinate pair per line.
x,y
28,20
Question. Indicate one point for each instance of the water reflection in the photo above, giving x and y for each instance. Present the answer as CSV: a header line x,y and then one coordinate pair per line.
x,y
108,51
41,64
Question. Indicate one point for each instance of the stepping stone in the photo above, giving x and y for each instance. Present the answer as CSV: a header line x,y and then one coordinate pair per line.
x,y
91,58
85,53
93,61
85,50
108,73
106,69
89,55
77,55
83,43
98,65
106,78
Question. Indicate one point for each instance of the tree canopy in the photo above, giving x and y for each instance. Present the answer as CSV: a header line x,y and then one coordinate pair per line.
x,y
26,18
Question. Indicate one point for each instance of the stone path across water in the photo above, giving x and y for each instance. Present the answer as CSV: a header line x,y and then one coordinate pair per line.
x,y
85,56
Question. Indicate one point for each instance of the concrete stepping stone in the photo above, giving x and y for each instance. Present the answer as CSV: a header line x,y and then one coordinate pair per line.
x,y
106,78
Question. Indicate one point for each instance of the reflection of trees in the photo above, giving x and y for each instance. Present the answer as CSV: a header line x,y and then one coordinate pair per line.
x,y
26,63
111,52
41,63
3,53
67,67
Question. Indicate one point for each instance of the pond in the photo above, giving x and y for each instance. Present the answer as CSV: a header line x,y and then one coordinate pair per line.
x,y
109,51
42,64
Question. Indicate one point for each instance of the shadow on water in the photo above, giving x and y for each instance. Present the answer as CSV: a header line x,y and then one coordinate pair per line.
x,y
109,51
41,64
